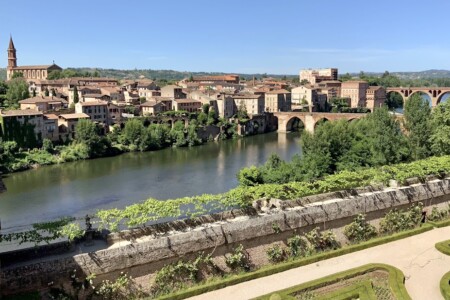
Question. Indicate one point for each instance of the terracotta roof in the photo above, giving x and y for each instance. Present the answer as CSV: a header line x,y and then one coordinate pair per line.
x,y
41,99
93,103
20,112
215,78
171,86
74,116
160,98
151,103
93,95
51,116
36,67
187,101
249,96
282,91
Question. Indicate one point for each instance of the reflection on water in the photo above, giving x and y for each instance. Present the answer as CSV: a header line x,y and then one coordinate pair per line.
x,y
85,186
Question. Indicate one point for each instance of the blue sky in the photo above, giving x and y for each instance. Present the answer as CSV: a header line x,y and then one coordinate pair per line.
x,y
242,36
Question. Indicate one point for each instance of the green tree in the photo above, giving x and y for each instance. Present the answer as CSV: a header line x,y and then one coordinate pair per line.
x,y
417,123
242,112
205,108
440,135
212,118
133,132
75,94
202,118
3,88
17,90
55,74
17,75
87,133
394,100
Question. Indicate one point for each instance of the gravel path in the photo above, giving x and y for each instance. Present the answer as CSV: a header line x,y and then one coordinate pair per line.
x,y
416,256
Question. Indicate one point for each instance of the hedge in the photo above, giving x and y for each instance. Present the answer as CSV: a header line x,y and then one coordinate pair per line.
x,y
443,247
358,290
273,269
396,280
445,286
439,224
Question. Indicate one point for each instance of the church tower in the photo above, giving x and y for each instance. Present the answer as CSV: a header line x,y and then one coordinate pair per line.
x,y
12,58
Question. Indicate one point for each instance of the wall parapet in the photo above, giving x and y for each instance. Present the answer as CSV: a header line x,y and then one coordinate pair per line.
x,y
177,239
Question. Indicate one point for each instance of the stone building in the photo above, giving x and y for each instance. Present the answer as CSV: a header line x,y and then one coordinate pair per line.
x,y
278,100
253,104
44,104
96,110
376,96
314,76
356,91
28,72
8,126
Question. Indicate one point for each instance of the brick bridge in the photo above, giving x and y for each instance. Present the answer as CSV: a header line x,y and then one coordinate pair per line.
x,y
287,119
435,93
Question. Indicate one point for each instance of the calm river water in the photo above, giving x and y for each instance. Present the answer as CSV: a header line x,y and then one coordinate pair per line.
x,y
75,189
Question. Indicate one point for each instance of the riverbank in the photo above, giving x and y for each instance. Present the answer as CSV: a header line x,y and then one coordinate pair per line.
x,y
142,257
83,187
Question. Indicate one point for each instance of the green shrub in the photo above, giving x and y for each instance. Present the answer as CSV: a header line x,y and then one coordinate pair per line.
x,y
359,230
276,253
183,273
238,259
395,220
438,214
321,241
298,246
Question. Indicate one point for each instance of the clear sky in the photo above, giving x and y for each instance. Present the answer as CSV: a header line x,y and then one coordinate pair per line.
x,y
241,36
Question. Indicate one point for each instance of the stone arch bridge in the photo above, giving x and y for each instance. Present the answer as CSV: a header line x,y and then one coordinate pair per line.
x,y
286,120
435,93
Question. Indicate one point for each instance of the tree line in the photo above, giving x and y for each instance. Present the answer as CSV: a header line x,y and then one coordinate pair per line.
x,y
137,134
378,139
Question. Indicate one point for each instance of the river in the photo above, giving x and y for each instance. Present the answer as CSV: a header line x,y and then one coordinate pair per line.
x,y
78,188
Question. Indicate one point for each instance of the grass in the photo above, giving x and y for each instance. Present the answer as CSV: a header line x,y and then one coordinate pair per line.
x,y
359,290
444,284
219,283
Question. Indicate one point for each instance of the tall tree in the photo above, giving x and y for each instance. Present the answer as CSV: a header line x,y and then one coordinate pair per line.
x,y
87,133
440,136
17,90
417,123
75,95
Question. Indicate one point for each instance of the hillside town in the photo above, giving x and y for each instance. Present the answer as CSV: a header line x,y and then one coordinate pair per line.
x,y
55,106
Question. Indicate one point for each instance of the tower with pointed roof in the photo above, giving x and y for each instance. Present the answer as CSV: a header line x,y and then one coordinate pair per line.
x,y
12,58
30,73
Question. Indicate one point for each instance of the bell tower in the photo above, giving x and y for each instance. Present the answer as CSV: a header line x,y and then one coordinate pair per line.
x,y
12,58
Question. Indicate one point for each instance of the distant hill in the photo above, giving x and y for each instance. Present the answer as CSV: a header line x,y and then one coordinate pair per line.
x,y
428,74
177,75
153,74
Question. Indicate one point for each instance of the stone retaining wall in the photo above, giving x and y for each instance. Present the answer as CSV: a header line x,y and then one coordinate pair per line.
x,y
145,254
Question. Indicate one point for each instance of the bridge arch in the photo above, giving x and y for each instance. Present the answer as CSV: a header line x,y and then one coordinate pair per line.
x,y
320,121
425,95
443,97
295,124
395,100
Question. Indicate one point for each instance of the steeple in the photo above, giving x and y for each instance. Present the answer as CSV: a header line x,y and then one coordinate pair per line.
x,y
12,58
11,44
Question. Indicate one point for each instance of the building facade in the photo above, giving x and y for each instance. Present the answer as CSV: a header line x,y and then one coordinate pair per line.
x,y
28,72
314,76
278,100
356,91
